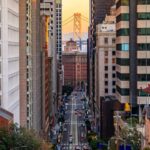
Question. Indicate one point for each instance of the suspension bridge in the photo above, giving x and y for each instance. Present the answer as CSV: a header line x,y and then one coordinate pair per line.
x,y
77,19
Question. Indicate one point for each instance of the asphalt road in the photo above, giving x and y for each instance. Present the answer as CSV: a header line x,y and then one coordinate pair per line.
x,y
74,123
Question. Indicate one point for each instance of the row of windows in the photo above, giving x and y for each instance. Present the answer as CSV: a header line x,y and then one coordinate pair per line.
x,y
123,61
144,2
123,92
126,2
140,31
123,47
123,77
144,16
143,31
113,53
140,77
143,46
123,17
122,3
113,75
141,16
113,83
126,62
113,68
140,47
123,32
113,91
106,40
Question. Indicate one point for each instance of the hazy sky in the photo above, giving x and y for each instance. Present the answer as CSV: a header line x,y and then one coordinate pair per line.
x,y
72,6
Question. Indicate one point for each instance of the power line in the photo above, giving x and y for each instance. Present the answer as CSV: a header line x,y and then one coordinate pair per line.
x,y
67,22
67,19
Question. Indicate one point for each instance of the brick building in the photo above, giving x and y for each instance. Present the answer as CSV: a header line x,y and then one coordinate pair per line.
x,y
75,68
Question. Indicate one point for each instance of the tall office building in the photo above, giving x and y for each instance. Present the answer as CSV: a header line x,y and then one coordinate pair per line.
x,y
59,45
98,10
105,58
9,57
48,8
30,64
133,38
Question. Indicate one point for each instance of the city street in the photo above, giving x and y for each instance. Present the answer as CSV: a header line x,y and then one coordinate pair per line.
x,y
74,134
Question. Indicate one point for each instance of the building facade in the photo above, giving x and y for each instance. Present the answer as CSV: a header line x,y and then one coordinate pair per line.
x,y
9,57
105,70
71,46
45,75
75,68
30,65
98,10
105,59
59,46
133,67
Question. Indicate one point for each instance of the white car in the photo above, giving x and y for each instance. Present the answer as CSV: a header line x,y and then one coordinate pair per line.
x,y
85,147
77,148
70,139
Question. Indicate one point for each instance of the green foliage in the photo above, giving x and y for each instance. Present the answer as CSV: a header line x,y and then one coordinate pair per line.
x,y
132,121
132,137
93,140
18,138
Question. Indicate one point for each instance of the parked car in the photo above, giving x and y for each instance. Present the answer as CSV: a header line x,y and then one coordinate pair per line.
x,y
77,148
86,147
70,138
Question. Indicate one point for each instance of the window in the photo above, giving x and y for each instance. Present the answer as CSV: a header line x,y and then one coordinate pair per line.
x,y
143,46
144,16
0,34
106,40
113,53
106,83
123,76
106,60
0,100
143,31
113,82
0,84
123,32
144,2
106,90
123,17
122,3
143,77
123,47
114,90
0,50
106,68
113,40
113,75
123,92
0,16
106,53
113,68
123,61
113,60
143,62
106,75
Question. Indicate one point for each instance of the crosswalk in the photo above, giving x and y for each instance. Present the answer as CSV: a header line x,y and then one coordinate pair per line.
x,y
67,146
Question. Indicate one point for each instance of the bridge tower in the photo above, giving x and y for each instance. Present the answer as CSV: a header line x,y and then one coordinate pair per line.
x,y
77,33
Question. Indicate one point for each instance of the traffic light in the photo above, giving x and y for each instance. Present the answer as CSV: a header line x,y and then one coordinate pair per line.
x,y
127,107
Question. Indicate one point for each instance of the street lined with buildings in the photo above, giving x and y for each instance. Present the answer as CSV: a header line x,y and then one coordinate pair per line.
x,y
72,98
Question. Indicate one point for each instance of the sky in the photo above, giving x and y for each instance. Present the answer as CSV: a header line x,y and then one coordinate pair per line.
x,y
73,6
